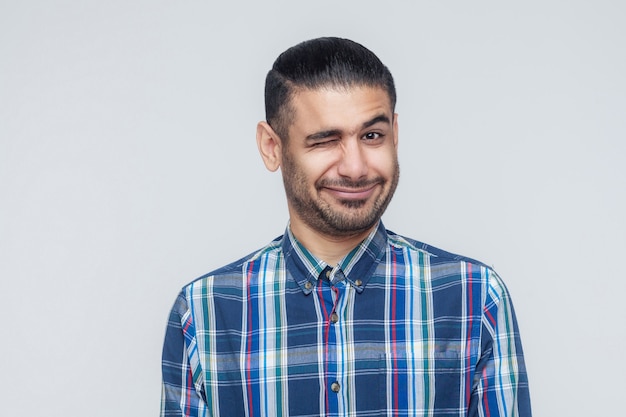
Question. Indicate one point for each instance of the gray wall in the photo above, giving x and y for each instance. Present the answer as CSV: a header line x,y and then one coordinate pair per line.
x,y
128,167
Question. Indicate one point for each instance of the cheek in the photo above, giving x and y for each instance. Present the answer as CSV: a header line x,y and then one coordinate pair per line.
x,y
317,168
384,163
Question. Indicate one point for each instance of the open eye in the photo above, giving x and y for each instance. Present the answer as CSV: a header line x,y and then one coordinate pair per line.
x,y
372,136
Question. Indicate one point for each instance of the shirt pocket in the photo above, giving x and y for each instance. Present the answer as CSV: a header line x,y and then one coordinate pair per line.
x,y
411,382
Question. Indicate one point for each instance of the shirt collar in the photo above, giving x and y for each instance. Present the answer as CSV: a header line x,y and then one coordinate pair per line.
x,y
356,267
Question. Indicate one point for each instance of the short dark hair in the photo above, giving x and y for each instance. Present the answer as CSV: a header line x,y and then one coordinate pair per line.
x,y
317,63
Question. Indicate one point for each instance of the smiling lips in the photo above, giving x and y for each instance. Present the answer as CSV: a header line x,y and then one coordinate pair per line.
x,y
348,193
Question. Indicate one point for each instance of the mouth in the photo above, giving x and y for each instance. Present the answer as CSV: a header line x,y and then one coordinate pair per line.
x,y
349,193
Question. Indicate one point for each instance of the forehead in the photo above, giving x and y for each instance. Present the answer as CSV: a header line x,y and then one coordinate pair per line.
x,y
344,108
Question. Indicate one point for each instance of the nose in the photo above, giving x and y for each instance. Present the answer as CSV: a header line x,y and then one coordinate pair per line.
x,y
353,163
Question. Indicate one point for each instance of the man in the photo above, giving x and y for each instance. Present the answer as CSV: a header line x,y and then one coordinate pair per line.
x,y
340,317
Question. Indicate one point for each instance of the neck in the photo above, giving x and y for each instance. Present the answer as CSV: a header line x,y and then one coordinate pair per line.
x,y
330,249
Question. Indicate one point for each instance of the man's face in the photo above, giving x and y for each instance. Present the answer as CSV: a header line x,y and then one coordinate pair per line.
x,y
339,164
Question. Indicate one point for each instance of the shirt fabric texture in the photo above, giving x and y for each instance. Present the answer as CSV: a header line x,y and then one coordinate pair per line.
x,y
397,328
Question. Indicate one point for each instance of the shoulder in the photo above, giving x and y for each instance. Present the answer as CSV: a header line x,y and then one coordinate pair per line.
x,y
232,273
448,266
447,269
435,254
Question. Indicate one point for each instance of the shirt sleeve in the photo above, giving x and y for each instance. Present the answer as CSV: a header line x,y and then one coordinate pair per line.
x,y
182,391
501,382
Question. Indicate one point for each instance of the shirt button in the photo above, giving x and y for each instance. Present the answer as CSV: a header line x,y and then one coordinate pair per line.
x,y
308,285
335,387
328,273
334,318
358,282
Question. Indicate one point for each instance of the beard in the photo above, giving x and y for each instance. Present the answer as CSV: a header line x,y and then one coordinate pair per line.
x,y
336,217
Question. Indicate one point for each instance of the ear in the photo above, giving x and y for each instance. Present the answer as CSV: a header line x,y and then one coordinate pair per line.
x,y
270,146
395,130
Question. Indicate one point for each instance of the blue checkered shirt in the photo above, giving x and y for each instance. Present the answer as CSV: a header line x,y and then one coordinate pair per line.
x,y
397,328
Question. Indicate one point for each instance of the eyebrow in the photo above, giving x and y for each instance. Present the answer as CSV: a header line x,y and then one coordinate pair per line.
x,y
334,132
378,119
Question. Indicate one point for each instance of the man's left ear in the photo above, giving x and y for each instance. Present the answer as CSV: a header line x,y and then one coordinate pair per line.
x,y
269,146
395,130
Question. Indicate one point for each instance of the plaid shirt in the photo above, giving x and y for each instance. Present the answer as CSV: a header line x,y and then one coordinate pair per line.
x,y
397,328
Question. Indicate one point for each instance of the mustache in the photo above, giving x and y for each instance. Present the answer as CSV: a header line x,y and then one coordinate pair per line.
x,y
346,183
